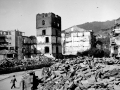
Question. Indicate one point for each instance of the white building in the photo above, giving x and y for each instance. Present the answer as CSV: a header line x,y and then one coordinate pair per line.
x,y
115,42
75,39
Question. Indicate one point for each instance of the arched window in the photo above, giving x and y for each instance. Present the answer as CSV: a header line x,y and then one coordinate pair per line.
x,y
43,22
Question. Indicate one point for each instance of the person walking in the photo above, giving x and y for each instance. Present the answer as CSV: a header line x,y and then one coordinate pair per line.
x,y
13,80
22,84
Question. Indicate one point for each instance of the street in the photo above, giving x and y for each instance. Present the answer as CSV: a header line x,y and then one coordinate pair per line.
x,y
6,85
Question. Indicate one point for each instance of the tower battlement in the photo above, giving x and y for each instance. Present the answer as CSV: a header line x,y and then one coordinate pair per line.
x,y
48,20
46,15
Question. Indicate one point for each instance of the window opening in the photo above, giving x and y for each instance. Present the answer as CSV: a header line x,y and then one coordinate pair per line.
x,y
46,49
43,32
47,39
43,22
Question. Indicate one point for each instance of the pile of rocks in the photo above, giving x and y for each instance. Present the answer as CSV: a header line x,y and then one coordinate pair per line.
x,y
81,74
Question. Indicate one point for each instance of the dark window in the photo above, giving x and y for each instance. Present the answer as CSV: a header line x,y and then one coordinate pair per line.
x,y
6,33
43,32
10,55
11,48
23,50
46,49
43,22
47,39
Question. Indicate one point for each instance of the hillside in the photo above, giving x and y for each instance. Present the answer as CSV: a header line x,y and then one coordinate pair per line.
x,y
97,27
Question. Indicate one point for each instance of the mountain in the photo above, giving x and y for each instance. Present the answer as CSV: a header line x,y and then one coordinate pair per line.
x,y
97,27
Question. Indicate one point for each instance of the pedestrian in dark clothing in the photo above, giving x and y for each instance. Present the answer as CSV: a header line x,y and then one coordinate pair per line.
x,y
13,80
22,84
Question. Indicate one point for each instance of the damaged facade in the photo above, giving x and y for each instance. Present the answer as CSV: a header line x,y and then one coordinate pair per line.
x,y
75,39
13,43
29,45
48,28
115,42
11,47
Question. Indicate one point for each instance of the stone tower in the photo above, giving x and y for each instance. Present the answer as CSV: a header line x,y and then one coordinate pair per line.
x,y
48,28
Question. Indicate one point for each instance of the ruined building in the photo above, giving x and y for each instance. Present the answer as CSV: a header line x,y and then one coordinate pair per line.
x,y
29,46
115,41
10,49
48,28
76,39
14,44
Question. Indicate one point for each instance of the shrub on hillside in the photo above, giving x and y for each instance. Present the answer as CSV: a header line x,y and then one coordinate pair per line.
x,y
89,52
92,52
106,53
85,53
98,53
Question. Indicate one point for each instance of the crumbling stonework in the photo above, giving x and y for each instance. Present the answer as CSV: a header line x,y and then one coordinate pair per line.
x,y
81,74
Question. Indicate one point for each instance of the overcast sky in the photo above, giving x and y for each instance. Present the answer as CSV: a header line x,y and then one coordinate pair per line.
x,y
21,14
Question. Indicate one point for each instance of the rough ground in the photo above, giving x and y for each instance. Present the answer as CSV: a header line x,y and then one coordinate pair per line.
x,y
82,74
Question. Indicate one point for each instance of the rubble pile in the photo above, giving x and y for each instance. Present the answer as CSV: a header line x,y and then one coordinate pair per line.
x,y
45,59
82,74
